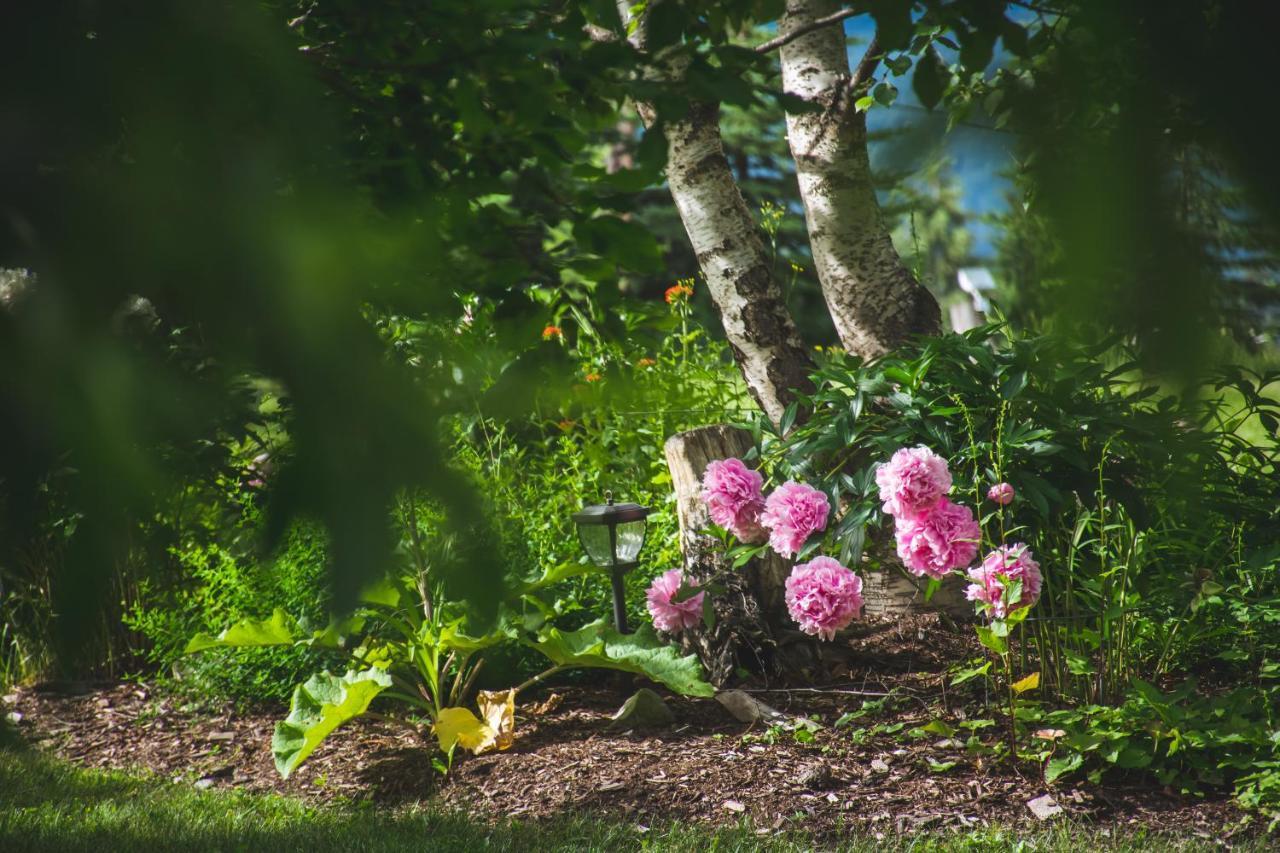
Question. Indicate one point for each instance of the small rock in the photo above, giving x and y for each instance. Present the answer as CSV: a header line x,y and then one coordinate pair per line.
x,y
815,777
1044,807
204,783
546,706
734,806
747,709
644,708
9,698
878,765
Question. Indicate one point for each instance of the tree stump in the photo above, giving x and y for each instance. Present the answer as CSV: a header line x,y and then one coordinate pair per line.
x,y
751,601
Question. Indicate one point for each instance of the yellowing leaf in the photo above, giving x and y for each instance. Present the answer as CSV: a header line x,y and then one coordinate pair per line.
x,y
459,726
498,707
1031,682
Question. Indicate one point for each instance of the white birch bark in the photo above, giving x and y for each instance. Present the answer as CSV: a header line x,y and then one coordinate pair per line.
x,y
874,300
730,252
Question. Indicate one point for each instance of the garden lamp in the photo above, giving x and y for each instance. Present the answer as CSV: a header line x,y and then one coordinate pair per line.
x,y
612,535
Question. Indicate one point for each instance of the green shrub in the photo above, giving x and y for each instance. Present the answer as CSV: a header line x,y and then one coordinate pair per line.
x,y
1154,518
213,587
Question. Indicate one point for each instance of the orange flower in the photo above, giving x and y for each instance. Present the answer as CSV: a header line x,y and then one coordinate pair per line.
x,y
592,377
646,362
678,292
552,332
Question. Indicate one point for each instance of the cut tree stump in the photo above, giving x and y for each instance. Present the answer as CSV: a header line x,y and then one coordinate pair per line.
x,y
751,600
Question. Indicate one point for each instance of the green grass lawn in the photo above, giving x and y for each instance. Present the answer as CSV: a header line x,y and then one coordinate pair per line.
x,y
47,804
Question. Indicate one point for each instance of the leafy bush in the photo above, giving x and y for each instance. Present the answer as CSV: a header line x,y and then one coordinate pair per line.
x,y
215,586
1153,517
630,378
1141,506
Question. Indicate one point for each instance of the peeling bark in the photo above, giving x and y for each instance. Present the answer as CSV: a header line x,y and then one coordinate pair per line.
x,y
730,253
874,300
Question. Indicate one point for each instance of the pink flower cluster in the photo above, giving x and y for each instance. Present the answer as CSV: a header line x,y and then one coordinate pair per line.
x,y
734,499
1001,493
912,482
823,596
944,537
792,513
934,535
668,614
1000,568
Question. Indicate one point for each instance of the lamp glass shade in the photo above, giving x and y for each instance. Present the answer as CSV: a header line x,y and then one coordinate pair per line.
x,y
630,540
600,548
595,540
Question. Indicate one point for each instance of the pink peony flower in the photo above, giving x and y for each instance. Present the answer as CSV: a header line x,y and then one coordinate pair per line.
x,y
823,596
1001,493
793,512
734,500
668,615
912,481
945,537
1006,564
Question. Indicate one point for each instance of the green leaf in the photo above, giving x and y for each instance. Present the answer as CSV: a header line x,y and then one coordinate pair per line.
x,y
788,418
939,766
991,639
931,78
452,637
931,588
318,707
885,93
554,575
599,645
967,674
939,727
385,592
1061,766
280,630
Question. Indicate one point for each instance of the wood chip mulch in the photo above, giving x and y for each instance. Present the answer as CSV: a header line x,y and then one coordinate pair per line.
x,y
707,767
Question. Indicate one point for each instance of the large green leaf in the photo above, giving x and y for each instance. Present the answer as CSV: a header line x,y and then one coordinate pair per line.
x,y
452,637
599,645
554,575
319,706
280,630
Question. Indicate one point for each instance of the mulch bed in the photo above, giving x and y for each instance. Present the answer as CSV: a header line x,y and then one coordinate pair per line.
x,y
708,767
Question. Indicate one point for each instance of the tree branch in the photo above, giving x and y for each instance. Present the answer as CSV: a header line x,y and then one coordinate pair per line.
x,y
870,61
775,43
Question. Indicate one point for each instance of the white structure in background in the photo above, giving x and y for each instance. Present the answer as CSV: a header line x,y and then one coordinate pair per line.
x,y
967,313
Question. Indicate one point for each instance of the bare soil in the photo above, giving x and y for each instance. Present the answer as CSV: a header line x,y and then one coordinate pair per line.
x,y
707,767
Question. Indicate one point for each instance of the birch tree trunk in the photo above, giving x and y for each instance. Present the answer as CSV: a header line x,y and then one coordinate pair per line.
x,y
761,332
874,300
